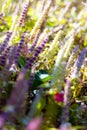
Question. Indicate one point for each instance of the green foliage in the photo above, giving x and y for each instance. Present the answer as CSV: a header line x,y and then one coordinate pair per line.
x,y
41,77
32,89
21,62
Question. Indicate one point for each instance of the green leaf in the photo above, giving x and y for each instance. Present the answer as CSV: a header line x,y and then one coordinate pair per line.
x,y
41,77
41,105
85,41
21,61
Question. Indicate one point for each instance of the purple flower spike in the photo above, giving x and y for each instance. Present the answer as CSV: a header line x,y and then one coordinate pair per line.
x,y
31,79
4,56
76,49
24,13
72,57
18,51
4,44
80,59
29,63
78,64
3,117
34,42
9,60
39,49
65,114
36,53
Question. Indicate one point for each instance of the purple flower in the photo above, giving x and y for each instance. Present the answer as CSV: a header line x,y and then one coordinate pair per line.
x,y
81,59
65,126
78,64
3,118
24,13
76,49
18,51
4,44
34,42
11,56
34,124
39,49
4,56
35,55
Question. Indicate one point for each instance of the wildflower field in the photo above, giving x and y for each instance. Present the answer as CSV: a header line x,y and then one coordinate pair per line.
x,y
43,65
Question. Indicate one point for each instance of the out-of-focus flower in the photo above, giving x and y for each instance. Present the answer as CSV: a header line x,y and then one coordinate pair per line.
x,y
78,64
66,126
34,124
59,97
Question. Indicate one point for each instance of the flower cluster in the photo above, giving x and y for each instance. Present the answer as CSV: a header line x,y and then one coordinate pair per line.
x,y
24,13
4,56
41,19
34,42
5,43
72,57
78,64
41,75
18,51
35,55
